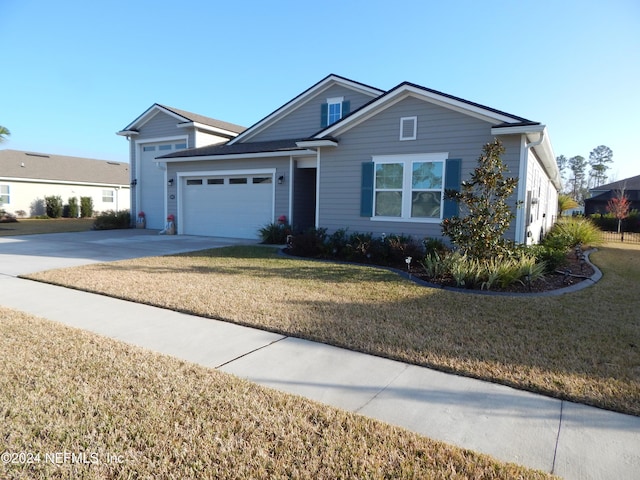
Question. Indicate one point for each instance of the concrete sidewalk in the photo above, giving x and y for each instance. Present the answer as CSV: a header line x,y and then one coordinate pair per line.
x,y
564,438
567,439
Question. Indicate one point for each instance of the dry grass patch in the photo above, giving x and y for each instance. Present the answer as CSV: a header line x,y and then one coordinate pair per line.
x,y
33,226
65,390
583,346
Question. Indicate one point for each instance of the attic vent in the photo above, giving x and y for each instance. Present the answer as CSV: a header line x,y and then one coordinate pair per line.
x,y
37,155
408,128
113,163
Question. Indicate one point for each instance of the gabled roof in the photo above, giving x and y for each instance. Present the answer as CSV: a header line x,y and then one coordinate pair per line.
x,y
497,117
183,118
299,100
15,164
631,183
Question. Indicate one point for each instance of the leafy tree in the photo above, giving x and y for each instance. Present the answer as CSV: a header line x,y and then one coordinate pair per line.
x,y
480,232
598,160
619,206
562,163
578,167
53,206
4,133
86,207
565,202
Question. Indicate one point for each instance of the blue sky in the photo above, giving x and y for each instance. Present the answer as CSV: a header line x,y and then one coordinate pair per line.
x,y
73,72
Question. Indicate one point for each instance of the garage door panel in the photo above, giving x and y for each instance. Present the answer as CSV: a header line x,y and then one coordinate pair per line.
x,y
227,210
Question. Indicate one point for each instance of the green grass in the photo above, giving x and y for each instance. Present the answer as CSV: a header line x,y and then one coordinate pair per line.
x,y
583,346
28,226
136,414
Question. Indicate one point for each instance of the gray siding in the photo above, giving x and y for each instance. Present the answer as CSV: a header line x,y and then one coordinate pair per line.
x,y
439,130
162,126
281,164
304,121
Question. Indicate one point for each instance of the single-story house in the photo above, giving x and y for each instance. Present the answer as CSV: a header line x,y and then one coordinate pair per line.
x,y
601,195
341,154
26,178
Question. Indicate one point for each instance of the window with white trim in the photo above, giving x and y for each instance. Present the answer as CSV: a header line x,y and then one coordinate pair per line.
x,y
107,196
5,195
409,187
408,128
334,112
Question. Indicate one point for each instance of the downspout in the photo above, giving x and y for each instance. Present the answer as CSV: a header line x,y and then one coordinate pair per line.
x,y
521,222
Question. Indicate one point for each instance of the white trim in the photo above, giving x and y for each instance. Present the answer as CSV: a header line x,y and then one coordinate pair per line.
x,y
317,143
207,128
414,135
407,171
406,91
298,101
238,156
307,162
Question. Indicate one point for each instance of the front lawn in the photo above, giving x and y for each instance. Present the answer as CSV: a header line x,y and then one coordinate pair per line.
x,y
77,405
32,226
583,346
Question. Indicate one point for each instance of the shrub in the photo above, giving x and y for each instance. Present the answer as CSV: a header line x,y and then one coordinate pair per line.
x,y
111,220
86,207
577,230
553,258
73,207
310,243
21,213
53,206
275,233
434,245
6,217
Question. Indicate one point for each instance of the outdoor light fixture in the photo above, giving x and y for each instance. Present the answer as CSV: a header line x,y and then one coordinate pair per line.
x,y
170,182
280,179
134,182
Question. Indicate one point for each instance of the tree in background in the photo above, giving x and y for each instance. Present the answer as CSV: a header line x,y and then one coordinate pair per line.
x,y
562,162
479,234
619,207
599,158
4,133
578,183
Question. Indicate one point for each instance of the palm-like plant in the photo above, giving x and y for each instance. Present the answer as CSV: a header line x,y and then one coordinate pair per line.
x,y
565,202
4,133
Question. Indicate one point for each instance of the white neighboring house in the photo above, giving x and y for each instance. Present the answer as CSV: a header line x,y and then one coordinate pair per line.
x,y
26,178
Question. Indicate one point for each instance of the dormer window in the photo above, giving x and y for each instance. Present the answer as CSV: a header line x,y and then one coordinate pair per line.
x,y
332,111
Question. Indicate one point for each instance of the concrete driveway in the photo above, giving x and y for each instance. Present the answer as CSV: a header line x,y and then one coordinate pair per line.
x,y
25,254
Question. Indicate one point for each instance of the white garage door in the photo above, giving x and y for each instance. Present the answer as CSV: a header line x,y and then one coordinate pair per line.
x,y
235,206
151,182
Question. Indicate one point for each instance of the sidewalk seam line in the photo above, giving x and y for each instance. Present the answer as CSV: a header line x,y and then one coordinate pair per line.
x,y
555,450
357,410
250,352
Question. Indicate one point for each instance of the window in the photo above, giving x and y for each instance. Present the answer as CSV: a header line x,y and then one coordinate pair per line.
x,y
149,148
107,196
215,181
408,128
181,146
262,180
409,186
164,147
5,196
197,181
237,181
332,111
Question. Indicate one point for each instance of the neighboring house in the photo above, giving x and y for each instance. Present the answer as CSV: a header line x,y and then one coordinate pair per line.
x,y
158,131
601,195
343,154
27,178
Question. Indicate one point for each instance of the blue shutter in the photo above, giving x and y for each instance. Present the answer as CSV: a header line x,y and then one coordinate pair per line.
x,y
324,115
452,179
346,108
366,190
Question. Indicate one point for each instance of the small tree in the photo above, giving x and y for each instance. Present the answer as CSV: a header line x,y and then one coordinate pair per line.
x,y
73,207
480,233
619,207
53,206
86,207
565,202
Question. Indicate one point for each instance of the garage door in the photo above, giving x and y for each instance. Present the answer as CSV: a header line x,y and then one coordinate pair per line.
x,y
235,206
151,182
